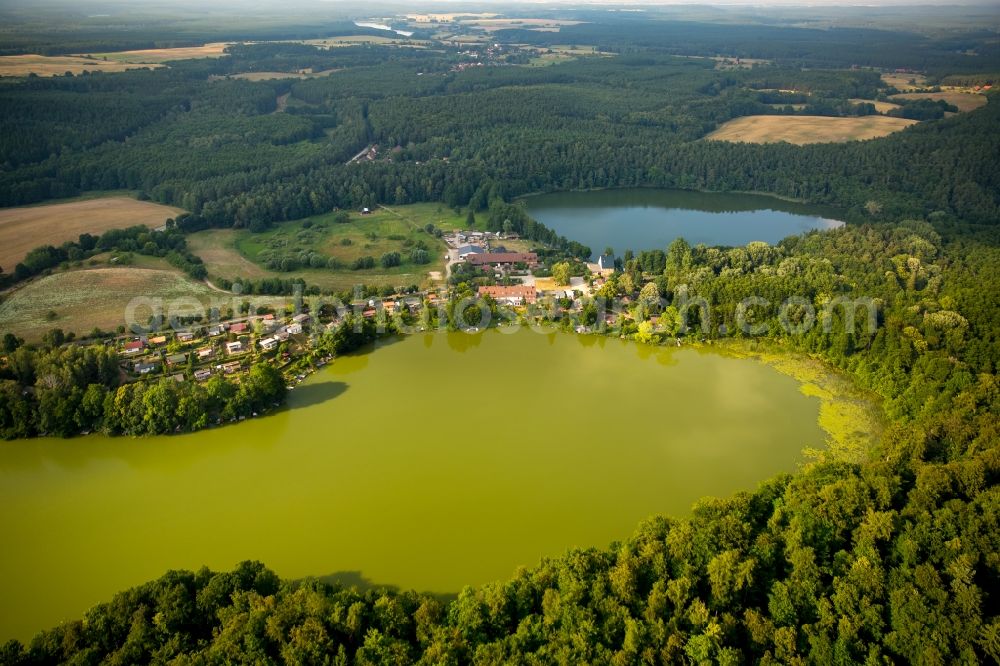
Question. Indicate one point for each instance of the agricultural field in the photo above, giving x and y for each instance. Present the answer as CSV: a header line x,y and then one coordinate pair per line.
x,y
963,100
881,107
23,65
807,129
271,76
902,81
69,300
447,18
493,24
156,56
25,228
354,40
559,53
309,243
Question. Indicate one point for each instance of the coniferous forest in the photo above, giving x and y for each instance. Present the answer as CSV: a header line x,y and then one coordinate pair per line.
x,y
887,555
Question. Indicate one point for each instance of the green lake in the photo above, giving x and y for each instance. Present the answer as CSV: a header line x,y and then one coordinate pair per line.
x,y
433,462
647,219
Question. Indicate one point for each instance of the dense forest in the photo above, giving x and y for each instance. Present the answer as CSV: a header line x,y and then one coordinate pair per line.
x,y
214,145
885,555
65,391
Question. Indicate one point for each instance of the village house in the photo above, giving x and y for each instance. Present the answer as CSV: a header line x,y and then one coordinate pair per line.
x,y
231,367
216,330
177,359
202,375
514,295
205,352
605,264
269,343
293,329
144,368
158,340
238,328
234,347
185,336
300,318
135,347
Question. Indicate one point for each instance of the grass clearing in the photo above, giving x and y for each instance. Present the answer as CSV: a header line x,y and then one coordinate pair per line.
x,y
271,76
157,56
807,129
881,107
494,24
25,228
963,100
23,65
355,40
232,254
93,297
904,81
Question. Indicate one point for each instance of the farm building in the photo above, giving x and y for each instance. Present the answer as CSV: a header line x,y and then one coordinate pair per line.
x,y
516,295
466,251
503,259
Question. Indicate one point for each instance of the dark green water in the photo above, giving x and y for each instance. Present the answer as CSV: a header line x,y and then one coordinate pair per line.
x,y
434,462
643,219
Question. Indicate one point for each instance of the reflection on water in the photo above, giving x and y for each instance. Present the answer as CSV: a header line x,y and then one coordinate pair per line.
x,y
645,219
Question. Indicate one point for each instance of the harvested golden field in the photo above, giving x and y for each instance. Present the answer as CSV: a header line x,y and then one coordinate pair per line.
x,y
354,40
23,65
270,76
23,229
447,18
881,107
963,100
80,300
494,24
147,56
807,129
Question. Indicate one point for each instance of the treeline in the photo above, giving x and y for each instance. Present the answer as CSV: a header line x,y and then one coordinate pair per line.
x,y
69,390
170,244
510,218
